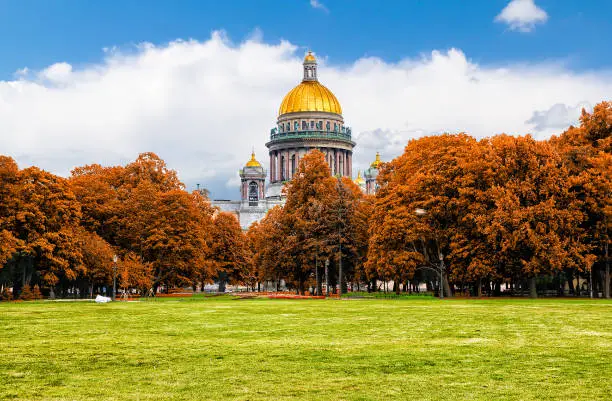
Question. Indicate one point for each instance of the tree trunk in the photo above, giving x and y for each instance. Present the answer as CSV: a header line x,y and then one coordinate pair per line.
x,y
533,293
607,274
479,288
446,286
570,283
327,277
497,288
561,287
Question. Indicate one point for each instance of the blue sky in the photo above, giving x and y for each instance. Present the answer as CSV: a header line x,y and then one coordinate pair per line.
x,y
36,33
200,82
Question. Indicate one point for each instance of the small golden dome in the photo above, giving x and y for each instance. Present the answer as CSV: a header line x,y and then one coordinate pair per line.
x,y
359,180
253,162
376,163
310,57
310,96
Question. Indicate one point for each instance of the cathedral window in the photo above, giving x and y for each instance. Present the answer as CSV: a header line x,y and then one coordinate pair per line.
x,y
312,125
327,126
335,127
292,165
296,126
253,193
304,126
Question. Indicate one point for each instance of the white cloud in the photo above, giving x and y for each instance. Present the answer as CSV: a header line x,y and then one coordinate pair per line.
x,y
317,4
57,73
202,106
522,15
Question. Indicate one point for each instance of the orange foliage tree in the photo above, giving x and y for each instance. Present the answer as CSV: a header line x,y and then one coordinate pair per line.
x,y
324,219
228,250
143,209
9,201
586,152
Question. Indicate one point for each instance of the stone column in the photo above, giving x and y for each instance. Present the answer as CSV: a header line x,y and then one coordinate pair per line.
x,y
278,166
346,163
336,163
287,165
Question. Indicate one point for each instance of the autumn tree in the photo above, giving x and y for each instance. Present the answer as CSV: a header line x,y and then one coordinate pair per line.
x,y
143,209
324,219
9,201
45,222
227,250
97,262
136,274
437,175
267,239
535,224
586,152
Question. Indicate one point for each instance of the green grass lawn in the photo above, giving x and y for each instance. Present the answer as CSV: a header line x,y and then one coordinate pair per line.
x,y
220,348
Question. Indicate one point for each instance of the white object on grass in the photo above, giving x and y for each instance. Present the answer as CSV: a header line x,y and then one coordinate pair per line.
x,y
102,299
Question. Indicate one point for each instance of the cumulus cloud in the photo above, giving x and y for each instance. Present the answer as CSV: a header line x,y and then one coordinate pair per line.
x,y
558,116
318,5
202,105
522,15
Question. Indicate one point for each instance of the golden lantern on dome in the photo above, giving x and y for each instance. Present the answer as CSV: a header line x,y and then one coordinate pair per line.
x,y
359,180
310,58
376,163
253,162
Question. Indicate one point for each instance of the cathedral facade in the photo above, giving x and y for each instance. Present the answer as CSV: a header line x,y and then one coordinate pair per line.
x,y
309,117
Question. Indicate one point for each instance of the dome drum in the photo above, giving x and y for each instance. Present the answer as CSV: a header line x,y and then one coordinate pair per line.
x,y
309,143
343,134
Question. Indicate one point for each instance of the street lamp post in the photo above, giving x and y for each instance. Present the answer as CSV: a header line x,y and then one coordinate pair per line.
x,y
114,277
441,275
591,282
327,277
317,272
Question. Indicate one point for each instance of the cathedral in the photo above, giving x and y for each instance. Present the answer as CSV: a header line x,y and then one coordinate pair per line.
x,y
309,117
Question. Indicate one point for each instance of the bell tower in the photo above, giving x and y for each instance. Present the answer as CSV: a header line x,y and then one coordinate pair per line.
x,y
252,177
371,186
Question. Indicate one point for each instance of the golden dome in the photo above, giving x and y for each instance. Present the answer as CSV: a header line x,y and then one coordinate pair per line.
x,y
310,57
253,162
376,163
310,96
359,180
